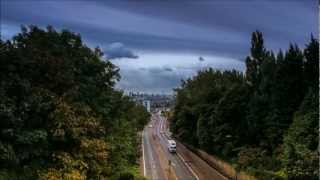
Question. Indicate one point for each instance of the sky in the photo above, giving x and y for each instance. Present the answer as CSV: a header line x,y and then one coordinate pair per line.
x,y
157,43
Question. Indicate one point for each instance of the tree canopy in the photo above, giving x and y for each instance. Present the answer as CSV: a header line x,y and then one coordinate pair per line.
x,y
264,120
60,116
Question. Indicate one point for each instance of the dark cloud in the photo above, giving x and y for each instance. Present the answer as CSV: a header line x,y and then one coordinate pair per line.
x,y
160,70
204,28
117,50
281,21
201,59
214,27
157,70
143,69
168,69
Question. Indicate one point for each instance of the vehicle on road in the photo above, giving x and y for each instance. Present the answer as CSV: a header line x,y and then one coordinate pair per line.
x,y
172,147
150,126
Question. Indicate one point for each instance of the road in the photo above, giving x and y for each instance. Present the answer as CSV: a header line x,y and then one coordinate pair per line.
x,y
185,164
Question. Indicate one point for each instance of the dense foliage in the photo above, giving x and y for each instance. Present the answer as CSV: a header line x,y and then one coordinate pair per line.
x,y
264,121
60,116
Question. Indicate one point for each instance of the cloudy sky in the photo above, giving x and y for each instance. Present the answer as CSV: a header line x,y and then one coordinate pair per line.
x,y
156,43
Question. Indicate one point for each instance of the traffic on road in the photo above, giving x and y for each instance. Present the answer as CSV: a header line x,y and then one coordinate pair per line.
x,y
165,158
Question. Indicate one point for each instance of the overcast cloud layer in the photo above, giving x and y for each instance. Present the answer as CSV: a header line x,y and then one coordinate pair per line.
x,y
157,43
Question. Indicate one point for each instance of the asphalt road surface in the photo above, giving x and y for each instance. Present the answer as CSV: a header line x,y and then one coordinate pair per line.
x,y
186,164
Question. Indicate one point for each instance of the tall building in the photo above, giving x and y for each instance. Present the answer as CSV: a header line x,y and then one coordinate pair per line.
x,y
146,104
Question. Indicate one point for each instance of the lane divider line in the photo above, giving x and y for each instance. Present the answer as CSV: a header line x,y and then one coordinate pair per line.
x,y
181,158
188,166
143,159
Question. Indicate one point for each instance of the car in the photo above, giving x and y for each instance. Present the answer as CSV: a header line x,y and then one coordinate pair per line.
x,y
150,126
172,147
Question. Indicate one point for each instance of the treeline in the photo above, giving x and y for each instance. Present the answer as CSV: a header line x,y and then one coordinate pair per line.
x,y
60,116
264,121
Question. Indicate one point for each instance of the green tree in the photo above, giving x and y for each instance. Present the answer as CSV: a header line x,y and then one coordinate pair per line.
x,y
60,116
266,122
301,143
253,62
311,68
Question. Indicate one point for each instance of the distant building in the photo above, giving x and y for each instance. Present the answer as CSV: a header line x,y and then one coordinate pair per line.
x,y
152,101
146,104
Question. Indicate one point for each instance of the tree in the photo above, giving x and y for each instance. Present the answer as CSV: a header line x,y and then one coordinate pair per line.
x,y
265,122
59,108
253,62
301,143
311,63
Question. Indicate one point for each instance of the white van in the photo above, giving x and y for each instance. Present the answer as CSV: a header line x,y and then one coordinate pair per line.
x,y
172,146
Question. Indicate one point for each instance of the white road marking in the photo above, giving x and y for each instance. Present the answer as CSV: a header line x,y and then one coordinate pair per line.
x,y
181,158
144,162
188,166
153,169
